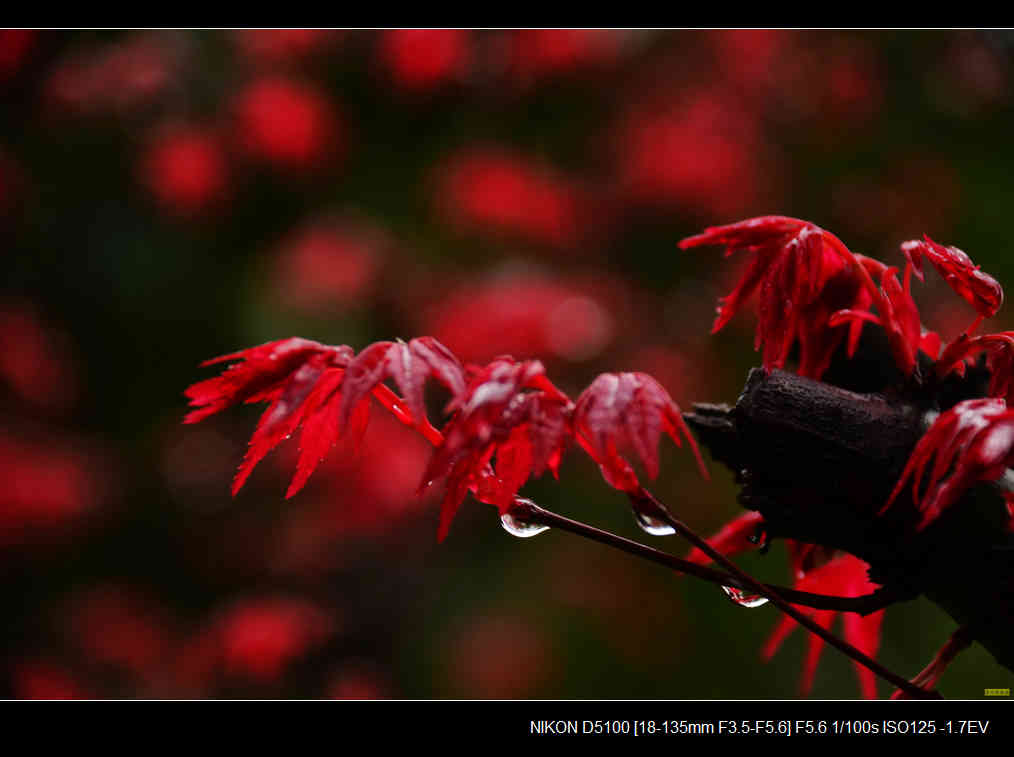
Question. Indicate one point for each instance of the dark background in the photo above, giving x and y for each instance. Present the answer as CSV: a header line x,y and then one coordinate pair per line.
x,y
166,197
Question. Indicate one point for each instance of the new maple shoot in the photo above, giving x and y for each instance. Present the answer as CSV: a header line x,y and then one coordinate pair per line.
x,y
506,422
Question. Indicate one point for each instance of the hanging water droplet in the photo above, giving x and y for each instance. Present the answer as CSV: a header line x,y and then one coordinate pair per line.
x,y
521,528
651,524
741,598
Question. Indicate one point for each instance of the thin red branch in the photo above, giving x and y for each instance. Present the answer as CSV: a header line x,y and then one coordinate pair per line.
x,y
863,605
645,501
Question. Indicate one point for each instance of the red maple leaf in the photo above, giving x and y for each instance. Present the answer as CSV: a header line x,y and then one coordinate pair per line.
x,y
628,410
410,365
971,442
898,315
321,427
802,275
509,410
508,422
258,377
285,373
803,272
979,289
999,349
844,576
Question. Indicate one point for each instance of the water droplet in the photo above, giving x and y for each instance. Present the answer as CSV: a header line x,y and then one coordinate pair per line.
x,y
520,528
652,525
741,598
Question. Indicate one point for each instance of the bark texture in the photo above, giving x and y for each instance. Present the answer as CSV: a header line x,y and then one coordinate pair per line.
x,y
818,462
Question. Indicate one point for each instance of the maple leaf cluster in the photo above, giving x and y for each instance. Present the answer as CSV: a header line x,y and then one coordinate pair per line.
x,y
506,421
804,274
815,293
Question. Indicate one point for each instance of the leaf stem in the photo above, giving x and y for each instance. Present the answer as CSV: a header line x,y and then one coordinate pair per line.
x,y
960,640
863,605
644,501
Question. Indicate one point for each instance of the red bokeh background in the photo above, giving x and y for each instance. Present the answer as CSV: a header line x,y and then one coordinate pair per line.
x,y
168,196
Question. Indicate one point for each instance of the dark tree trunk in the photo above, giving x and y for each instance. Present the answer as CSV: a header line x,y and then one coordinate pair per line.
x,y
819,462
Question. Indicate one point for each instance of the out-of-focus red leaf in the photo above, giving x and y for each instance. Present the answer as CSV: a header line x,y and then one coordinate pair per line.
x,y
118,78
120,627
287,124
15,47
38,679
489,190
537,54
733,538
705,152
527,313
283,46
329,265
258,639
844,576
421,60
37,361
184,168
51,482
